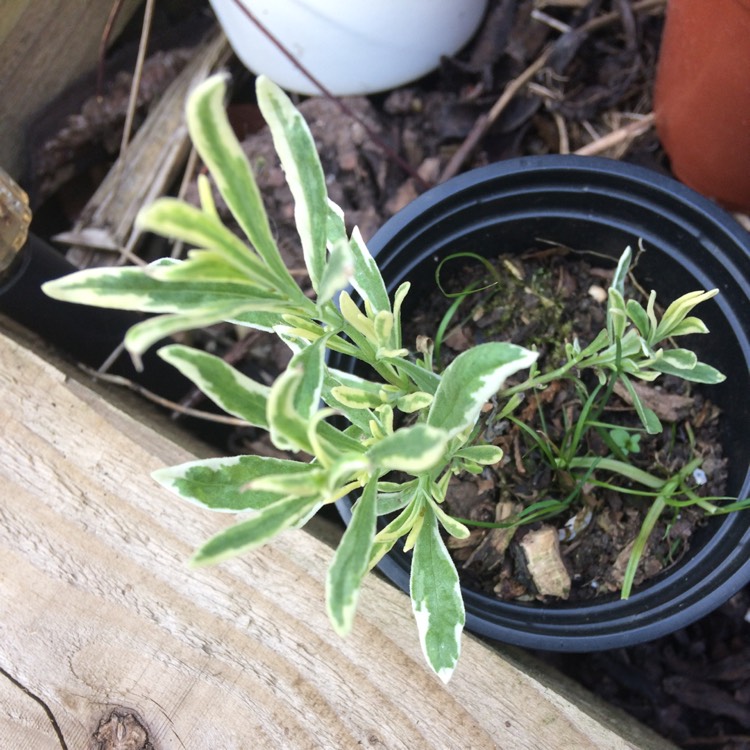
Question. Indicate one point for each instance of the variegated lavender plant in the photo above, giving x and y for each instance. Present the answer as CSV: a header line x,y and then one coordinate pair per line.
x,y
226,279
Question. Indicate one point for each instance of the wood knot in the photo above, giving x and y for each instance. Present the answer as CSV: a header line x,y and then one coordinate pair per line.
x,y
122,730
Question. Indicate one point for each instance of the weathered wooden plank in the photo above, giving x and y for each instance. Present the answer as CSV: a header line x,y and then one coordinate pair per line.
x,y
44,46
103,622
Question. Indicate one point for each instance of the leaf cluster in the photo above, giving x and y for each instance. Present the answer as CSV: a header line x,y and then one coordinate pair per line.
x,y
403,435
246,282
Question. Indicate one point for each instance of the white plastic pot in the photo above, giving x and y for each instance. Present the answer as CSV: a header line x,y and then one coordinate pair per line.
x,y
350,46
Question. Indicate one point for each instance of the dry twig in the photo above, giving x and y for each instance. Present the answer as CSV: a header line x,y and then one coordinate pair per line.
x,y
485,121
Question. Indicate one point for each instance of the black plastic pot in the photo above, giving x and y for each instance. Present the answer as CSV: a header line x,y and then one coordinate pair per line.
x,y
86,334
600,205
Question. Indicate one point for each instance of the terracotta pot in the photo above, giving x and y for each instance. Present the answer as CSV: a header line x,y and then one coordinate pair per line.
x,y
702,97
601,205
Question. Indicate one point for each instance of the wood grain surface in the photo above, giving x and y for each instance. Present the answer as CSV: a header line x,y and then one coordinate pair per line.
x,y
109,641
44,47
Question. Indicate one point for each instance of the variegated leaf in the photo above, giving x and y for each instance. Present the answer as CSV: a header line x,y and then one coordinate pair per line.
x,y
637,313
451,525
350,563
356,415
470,380
337,272
411,449
398,301
699,372
357,319
223,384
215,141
412,402
288,429
621,271
486,455
133,288
222,483
299,158
308,483
436,600
677,311
171,217
617,318
355,398
143,335
295,397
424,379
270,521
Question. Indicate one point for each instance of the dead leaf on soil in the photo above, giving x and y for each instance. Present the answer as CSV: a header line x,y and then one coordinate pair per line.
x,y
671,407
491,551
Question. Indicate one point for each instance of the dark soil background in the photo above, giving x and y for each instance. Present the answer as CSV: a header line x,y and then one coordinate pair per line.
x,y
542,298
583,74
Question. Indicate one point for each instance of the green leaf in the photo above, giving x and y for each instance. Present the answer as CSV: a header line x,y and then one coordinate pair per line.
x,y
222,483
223,384
412,402
337,272
267,523
215,141
700,372
356,398
299,158
648,417
486,455
367,279
677,311
411,449
171,217
351,561
143,335
621,271
688,326
424,379
470,380
637,313
436,600
617,318
141,289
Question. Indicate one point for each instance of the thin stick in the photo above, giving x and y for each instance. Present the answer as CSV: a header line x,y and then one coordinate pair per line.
x,y
137,73
104,42
562,130
622,135
485,121
165,402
